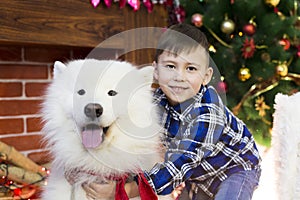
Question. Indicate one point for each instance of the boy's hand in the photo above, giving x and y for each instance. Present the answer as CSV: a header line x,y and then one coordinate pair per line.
x,y
178,190
100,191
105,191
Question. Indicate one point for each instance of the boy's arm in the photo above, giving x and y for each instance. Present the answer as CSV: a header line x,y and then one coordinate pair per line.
x,y
107,190
166,176
99,191
185,153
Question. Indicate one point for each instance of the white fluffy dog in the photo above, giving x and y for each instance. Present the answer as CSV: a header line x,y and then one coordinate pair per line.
x,y
100,122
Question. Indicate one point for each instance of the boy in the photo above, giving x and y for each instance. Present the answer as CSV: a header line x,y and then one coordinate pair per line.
x,y
208,148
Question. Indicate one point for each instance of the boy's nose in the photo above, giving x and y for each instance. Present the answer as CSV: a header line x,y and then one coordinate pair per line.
x,y
179,76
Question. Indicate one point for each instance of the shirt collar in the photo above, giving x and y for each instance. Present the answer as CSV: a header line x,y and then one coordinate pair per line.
x,y
161,99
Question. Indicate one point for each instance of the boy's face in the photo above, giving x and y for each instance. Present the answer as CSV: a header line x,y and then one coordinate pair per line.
x,y
181,76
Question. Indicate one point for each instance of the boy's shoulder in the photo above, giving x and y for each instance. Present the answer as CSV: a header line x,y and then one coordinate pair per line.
x,y
209,95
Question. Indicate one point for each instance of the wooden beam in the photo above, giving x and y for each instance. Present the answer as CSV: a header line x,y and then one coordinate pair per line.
x,y
77,23
68,22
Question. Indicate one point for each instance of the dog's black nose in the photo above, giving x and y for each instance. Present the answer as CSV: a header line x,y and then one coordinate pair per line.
x,y
93,110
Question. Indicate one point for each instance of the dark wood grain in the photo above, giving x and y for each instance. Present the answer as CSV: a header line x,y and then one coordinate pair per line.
x,y
157,18
68,22
77,23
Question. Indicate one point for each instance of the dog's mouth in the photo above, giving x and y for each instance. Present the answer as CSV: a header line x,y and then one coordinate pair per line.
x,y
92,135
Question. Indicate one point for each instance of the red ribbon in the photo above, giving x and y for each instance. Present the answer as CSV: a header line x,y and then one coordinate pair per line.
x,y
120,189
145,190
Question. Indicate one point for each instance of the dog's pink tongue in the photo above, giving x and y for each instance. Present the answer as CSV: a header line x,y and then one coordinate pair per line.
x,y
92,136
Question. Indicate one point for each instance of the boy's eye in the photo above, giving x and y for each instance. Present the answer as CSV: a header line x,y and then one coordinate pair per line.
x,y
81,92
112,93
191,68
170,66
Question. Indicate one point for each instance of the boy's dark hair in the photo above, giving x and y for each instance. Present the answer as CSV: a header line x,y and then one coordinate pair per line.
x,y
180,37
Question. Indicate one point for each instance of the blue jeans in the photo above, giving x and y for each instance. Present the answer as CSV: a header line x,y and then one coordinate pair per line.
x,y
238,186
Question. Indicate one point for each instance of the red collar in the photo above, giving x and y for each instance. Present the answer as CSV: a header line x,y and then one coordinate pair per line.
x,y
145,190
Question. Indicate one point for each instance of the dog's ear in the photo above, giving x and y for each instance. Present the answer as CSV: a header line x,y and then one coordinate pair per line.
x,y
147,73
59,67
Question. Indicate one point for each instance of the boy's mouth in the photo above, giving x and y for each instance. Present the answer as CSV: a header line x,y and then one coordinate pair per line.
x,y
178,89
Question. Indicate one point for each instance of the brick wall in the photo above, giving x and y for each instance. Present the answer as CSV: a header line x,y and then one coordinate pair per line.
x,y
25,71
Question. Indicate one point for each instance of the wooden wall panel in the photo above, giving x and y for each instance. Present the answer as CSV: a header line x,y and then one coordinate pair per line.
x,y
68,22
77,23
157,18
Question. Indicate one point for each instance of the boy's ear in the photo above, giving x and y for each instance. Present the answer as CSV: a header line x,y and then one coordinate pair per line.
x,y
208,75
59,67
155,73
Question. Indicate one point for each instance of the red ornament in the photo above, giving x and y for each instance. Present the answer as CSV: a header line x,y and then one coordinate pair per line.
x,y
169,3
122,3
108,3
149,5
17,192
285,43
248,48
222,87
180,14
298,51
95,3
197,19
135,4
249,29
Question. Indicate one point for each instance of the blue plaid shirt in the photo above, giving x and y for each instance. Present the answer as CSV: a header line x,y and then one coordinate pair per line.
x,y
205,143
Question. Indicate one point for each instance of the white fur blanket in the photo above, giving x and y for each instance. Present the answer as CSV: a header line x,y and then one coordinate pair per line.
x,y
286,146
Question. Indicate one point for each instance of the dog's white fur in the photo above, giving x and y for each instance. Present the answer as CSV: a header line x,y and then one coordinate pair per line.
x,y
286,146
132,142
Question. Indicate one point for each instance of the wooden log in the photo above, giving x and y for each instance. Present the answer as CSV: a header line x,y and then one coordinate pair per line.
x,y
21,175
10,154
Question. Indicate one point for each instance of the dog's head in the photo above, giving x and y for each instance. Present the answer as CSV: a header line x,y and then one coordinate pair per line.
x,y
104,95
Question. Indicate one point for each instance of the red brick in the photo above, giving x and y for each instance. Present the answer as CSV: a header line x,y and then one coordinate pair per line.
x,y
11,126
34,124
47,53
10,53
24,142
40,158
11,89
19,107
9,71
35,89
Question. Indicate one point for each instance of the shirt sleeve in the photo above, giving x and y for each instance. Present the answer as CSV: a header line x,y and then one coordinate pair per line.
x,y
185,152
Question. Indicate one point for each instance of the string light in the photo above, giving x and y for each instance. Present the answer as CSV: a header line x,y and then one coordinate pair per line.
x,y
15,189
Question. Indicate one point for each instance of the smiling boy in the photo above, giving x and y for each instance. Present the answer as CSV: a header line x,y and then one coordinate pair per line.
x,y
208,148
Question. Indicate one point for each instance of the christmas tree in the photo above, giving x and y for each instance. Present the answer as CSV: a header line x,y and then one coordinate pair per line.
x,y
256,47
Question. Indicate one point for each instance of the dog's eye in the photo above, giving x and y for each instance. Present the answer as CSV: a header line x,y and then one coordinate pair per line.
x,y
112,93
81,92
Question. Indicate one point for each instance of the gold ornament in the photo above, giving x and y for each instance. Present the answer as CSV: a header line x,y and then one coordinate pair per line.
x,y
282,69
227,26
272,2
244,74
261,106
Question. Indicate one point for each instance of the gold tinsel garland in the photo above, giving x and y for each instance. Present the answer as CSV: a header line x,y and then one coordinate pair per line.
x,y
264,86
